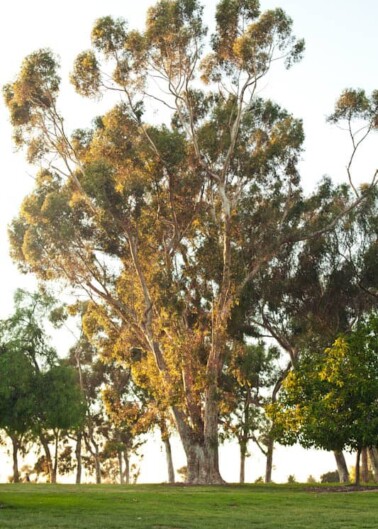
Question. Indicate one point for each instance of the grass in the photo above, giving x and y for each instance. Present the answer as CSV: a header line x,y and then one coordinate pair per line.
x,y
164,507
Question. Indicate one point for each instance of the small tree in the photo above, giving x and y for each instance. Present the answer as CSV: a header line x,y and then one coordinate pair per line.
x,y
329,401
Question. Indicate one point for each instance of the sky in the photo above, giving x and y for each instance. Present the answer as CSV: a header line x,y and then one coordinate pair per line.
x,y
341,52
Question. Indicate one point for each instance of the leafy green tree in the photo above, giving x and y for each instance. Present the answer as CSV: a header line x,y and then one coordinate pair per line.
x,y
61,405
17,400
329,401
130,211
248,378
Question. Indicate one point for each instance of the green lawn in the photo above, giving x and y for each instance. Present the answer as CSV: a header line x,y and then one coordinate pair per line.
x,y
164,507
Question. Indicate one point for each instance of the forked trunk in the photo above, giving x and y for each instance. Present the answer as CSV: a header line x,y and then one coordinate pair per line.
x,y
46,449
269,461
342,468
373,456
201,450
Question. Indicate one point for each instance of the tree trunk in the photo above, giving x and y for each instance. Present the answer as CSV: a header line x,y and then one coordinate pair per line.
x,y
201,448
168,455
364,465
269,461
97,465
46,449
168,450
373,456
342,468
78,457
243,455
55,467
15,446
120,466
358,457
127,466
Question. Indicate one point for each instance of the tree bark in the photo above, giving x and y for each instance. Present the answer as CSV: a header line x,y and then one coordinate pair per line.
x,y
201,445
15,446
364,466
373,456
168,455
97,466
120,466
47,451
269,461
358,458
243,455
127,466
55,467
78,458
342,468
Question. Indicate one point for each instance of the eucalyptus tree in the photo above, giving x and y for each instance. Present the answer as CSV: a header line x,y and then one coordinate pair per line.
x,y
164,225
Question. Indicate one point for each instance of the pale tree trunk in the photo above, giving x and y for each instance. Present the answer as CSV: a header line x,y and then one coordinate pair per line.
x,y
202,458
15,449
269,461
127,466
168,450
373,456
78,457
364,466
120,466
168,455
47,451
243,455
342,468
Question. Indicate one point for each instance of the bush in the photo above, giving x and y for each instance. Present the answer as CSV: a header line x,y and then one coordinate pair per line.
x,y
291,479
311,479
330,477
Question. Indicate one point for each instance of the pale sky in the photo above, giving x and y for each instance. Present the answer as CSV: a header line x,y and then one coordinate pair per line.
x,y
341,52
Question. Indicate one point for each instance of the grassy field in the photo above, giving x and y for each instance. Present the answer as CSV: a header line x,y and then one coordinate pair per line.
x,y
165,507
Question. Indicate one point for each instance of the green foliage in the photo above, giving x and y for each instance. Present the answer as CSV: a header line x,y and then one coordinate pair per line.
x,y
329,401
330,477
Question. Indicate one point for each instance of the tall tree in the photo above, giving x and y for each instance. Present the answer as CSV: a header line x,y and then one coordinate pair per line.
x,y
131,212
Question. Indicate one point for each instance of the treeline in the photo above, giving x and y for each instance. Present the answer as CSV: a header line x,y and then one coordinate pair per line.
x,y
180,216
88,412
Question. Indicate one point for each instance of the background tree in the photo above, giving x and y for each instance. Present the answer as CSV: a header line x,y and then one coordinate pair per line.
x,y
329,401
17,401
247,380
